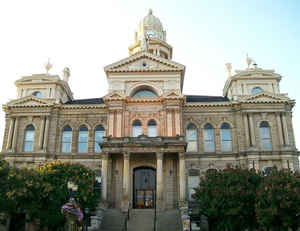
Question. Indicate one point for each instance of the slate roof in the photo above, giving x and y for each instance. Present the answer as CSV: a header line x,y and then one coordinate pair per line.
x,y
205,98
86,101
189,99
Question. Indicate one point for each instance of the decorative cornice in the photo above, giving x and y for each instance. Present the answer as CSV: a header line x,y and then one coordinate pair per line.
x,y
173,66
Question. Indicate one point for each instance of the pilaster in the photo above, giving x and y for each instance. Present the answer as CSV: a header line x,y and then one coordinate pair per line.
x,y
182,199
159,180
126,181
104,170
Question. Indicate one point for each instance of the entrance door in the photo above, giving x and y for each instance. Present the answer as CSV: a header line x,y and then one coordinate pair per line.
x,y
144,187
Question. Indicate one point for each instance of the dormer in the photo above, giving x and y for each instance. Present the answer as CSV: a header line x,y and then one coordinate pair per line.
x,y
44,86
251,81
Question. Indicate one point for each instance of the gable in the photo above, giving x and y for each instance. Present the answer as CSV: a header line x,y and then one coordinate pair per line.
x,y
144,62
264,96
29,101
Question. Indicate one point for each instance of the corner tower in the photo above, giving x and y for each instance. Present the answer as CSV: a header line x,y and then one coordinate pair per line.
x,y
151,37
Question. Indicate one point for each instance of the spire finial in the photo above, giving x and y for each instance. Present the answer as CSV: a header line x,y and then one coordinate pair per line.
x,y
66,74
150,11
48,66
248,61
228,68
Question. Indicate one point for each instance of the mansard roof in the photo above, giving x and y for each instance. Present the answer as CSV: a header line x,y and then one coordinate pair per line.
x,y
86,101
205,98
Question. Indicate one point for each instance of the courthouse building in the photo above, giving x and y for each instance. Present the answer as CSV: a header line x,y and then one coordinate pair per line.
x,y
150,141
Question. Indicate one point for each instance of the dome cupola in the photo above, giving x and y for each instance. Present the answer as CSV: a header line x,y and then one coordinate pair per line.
x,y
151,37
151,26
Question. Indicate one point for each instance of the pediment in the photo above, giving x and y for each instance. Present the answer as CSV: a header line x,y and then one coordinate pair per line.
x,y
266,96
29,101
143,62
114,95
173,94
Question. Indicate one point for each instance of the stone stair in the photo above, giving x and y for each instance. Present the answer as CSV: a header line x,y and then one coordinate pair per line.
x,y
141,220
113,220
169,220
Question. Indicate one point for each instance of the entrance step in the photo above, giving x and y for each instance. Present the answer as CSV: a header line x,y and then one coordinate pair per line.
x,y
169,220
141,219
113,220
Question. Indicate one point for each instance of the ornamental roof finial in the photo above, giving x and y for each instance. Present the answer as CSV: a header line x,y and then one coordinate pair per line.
x,y
48,66
228,68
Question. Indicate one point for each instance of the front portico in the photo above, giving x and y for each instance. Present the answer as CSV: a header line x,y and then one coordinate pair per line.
x,y
161,157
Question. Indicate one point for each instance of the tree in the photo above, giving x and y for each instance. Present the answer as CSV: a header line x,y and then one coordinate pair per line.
x,y
278,201
40,192
227,199
55,176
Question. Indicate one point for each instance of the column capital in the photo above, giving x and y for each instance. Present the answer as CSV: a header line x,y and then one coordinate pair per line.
x,y
126,155
181,155
104,156
159,155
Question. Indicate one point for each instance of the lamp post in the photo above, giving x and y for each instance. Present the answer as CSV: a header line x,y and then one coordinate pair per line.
x,y
72,188
86,212
190,212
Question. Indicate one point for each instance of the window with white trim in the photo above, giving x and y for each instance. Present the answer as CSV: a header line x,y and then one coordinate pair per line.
x,y
83,137
29,138
209,139
226,138
99,133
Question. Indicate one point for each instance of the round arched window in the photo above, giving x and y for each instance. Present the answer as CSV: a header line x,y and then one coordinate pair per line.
x,y
145,93
256,90
37,94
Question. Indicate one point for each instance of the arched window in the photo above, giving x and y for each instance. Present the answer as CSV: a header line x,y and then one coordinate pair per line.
x,y
99,133
83,137
226,138
37,94
265,136
152,129
145,93
29,138
66,141
137,128
256,90
191,138
208,136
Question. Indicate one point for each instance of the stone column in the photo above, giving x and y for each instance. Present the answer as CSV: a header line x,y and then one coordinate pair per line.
x,y
104,170
280,135
169,123
126,182
285,129
10,133
46,135
42,132
182,198
159,180
247,142
15,135
252,130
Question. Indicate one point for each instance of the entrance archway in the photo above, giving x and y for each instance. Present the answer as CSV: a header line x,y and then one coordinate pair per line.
x,y
144,187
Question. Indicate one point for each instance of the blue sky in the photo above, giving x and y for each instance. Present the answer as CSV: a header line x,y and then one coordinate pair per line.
x,y
88,35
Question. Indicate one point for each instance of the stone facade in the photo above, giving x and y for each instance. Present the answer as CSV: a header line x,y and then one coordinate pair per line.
x,y
178,136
